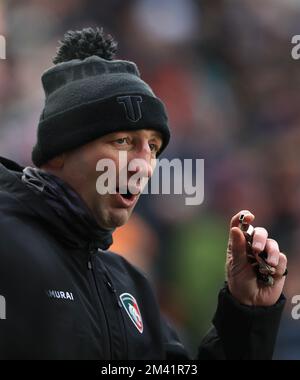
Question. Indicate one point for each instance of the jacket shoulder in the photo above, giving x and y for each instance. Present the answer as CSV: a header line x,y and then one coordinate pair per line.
x,y
9,204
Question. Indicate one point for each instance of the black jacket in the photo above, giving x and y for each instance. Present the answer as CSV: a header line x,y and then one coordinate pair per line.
x,y
63,302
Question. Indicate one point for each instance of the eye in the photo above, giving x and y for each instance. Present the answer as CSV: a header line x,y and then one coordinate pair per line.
x,y
154,148
122,141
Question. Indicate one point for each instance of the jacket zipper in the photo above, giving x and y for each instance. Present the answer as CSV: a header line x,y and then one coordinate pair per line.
x,y
112,289
90,267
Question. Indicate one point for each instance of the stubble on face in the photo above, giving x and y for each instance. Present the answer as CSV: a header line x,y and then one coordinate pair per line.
x,y
108,215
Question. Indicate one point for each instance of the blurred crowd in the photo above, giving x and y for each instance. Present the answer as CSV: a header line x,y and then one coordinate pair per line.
x,y
232,90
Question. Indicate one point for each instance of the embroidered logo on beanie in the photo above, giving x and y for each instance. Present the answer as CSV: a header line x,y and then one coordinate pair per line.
x,y
132,107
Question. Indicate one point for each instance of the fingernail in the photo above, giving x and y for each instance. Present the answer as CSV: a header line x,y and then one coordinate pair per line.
x,y
258,246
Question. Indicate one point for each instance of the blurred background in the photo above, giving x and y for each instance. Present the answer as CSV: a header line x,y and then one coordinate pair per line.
x,y
225,72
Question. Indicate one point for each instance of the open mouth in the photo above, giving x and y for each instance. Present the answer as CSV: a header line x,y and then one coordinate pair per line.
x,y
128,195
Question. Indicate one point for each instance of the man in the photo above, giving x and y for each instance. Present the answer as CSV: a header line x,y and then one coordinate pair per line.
x,y
65,295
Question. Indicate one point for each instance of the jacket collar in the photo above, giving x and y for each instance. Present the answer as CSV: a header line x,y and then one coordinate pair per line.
x,y
54,204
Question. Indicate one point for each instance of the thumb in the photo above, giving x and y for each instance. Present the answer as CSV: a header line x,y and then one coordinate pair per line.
x,y
237,244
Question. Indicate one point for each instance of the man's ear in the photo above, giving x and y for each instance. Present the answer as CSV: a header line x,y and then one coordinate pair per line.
x,y
56,162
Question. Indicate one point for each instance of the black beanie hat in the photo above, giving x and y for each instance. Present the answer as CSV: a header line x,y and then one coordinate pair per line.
x,y
88,95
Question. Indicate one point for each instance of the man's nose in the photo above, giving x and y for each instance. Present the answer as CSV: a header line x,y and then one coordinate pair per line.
x,y
141,167
141,162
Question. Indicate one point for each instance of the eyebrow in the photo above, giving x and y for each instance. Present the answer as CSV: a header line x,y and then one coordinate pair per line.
x,y
156,135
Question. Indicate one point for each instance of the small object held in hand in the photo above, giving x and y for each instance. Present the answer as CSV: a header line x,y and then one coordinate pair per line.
x,y
263,270
285,273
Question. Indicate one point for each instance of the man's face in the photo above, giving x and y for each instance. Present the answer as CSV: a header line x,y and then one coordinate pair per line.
x,y
79,170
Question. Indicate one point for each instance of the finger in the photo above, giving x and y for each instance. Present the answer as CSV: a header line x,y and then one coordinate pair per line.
x,y
272,250
249,217
282,265
259,239
237,243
